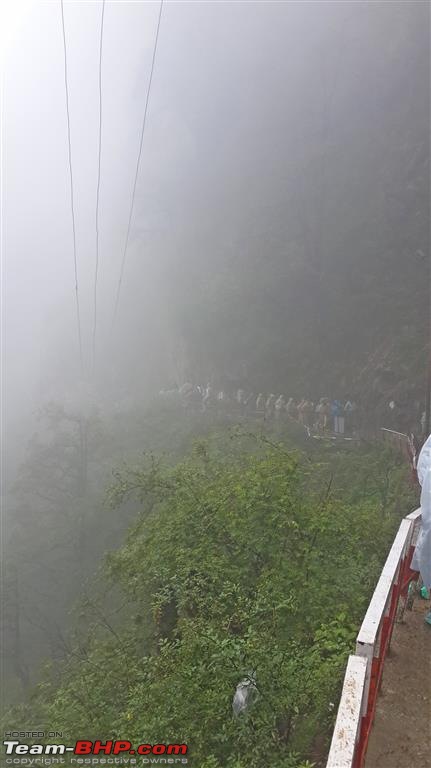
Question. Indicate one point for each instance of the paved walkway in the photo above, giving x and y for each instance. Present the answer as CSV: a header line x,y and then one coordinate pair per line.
x,y
401,735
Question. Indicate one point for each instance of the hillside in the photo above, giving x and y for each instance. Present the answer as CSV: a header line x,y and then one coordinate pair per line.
x,y
302,254
248,557
217,292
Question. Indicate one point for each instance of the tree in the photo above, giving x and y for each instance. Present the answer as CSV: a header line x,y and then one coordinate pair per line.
x,y
248,564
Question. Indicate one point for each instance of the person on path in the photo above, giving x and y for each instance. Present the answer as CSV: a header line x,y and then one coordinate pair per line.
x,y
422,555
308,412
349,414
318,426
270,407
279,406
301,411
337,413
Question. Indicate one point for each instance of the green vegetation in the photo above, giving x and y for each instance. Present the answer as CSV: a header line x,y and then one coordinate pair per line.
x,y
246,558
279,242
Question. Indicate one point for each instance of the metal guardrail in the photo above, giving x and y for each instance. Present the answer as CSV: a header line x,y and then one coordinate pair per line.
x,y
364,669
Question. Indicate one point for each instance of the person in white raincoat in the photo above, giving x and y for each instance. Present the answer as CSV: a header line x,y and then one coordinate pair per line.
x,y
422,555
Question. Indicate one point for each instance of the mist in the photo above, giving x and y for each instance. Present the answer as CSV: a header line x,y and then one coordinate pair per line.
x,y
279,247
256,110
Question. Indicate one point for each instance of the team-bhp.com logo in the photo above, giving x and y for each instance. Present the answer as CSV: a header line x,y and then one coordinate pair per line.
x,y
94,748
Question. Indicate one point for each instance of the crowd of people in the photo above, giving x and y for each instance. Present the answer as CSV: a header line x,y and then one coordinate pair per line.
x,y
322,417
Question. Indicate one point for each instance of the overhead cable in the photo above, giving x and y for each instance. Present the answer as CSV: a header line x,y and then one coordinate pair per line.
x,y
138,160
78,313
96,270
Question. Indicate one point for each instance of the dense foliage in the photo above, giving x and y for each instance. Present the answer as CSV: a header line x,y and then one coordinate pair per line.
x,y
58,526
285,205
258,563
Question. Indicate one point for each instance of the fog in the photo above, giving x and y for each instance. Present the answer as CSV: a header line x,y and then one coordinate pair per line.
x,y
243,97
280,233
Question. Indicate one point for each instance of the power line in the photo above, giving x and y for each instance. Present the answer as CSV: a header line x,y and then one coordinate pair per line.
x,y
126,243
78,313
98,185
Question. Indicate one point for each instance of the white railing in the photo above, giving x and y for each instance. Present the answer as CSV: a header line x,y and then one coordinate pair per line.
x,y
405,444
364,669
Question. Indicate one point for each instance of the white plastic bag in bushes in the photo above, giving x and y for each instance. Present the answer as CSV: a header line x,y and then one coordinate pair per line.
x,y
245,694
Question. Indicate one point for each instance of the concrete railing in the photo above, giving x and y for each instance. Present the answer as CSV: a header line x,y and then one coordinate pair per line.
x,y
364,669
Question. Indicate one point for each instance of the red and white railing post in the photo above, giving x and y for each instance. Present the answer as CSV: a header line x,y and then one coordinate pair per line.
x,y
353,725
346,736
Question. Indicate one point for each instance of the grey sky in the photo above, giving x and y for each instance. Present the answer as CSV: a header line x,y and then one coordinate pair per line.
x,y
245,96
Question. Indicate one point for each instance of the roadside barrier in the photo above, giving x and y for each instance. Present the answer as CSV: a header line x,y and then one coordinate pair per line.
x,y
365,668
404,444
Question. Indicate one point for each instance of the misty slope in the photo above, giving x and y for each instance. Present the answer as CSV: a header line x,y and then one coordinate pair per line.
x,y
59,525
300,249
284,197
244,557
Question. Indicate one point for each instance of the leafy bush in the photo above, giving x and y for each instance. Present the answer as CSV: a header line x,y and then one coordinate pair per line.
x,y
252,563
